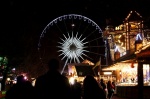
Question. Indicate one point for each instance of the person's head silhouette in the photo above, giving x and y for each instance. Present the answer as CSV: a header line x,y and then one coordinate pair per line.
x,y
102,80
20,79
53,64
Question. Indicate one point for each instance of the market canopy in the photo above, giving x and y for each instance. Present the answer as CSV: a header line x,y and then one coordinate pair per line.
x,y
121,65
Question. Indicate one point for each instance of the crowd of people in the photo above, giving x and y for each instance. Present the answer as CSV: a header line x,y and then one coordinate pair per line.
x,y
53,85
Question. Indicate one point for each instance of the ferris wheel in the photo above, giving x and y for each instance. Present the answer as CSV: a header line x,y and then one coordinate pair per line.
x,y
73,38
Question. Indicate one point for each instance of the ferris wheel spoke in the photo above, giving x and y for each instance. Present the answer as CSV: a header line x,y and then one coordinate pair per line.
x,y
83,39
72,25
65,37
95,39
65,26
76,57
81,57
91,33
59,28
85,29
95,46
64,66
87,56
97,53
79,25
66,54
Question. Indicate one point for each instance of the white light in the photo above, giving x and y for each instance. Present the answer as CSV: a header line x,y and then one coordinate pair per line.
x,y
8,79
107,73
71,80
72,47
138,37
14,69
25,77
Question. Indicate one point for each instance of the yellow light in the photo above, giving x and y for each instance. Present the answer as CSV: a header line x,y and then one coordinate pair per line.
x,y
107,73
8,79
71,80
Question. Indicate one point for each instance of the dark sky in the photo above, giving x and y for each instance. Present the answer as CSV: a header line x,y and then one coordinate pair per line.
x,y
28,15
22,21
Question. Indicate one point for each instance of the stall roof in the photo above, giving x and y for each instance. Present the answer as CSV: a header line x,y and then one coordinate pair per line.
x,y
126,58
86,70
121,65
133,15
126,61
144,51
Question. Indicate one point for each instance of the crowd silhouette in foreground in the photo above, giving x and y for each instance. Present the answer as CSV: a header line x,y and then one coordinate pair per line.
x,y
91,89
53,85
21,90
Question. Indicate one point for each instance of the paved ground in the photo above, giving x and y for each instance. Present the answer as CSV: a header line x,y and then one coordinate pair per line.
x,y
116,97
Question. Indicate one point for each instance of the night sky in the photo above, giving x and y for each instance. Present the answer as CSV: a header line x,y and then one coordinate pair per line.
x,y
22,22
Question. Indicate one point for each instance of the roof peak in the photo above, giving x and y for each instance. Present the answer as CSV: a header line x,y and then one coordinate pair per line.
x,y
133,15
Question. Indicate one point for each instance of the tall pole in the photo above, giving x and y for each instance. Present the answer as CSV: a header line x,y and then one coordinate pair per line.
x,y
140,80
106,52
99,68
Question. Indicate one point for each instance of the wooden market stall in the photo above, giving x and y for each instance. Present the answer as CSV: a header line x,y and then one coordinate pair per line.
x,y
78,71
130,51
133,75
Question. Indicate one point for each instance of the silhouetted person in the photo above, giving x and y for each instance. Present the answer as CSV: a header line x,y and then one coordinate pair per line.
x,y
113,83
21,90
110,89
103,85
91,89
76,90
52,85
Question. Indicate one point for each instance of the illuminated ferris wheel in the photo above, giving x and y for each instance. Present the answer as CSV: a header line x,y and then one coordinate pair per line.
x,y
73,38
